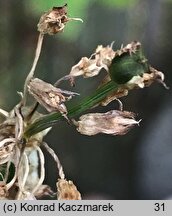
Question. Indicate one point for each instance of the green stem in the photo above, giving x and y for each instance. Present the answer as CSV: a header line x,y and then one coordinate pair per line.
x,y
87,103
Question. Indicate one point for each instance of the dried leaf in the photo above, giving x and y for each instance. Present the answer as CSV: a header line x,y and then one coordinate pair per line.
x,y
113,122
67,190
54,20
51,98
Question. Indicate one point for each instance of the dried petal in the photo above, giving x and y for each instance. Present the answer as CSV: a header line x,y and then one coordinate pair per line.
x,y
67,190
104,55
113,122
129,48
54,20
48,96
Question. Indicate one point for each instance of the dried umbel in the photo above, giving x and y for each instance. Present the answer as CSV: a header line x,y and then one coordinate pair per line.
x,y
113,122
66,190
54,20
23,130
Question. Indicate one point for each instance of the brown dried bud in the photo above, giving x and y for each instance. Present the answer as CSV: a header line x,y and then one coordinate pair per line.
x,y
48,96
67,190
113,122
54,20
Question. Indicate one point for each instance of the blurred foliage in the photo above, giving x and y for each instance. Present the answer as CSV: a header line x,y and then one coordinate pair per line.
x,y
78,9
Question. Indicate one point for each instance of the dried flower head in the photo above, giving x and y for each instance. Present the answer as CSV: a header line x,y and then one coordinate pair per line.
x,y
113,122
54,20
67,190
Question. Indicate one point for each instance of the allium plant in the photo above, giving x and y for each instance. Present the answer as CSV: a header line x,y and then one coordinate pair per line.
x,y
22,132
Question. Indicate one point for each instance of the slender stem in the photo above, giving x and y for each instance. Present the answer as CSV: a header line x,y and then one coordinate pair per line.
x,y
31,73
87,103
56,159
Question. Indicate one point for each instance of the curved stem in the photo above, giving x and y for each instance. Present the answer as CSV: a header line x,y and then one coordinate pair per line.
x,y
56,159
31,73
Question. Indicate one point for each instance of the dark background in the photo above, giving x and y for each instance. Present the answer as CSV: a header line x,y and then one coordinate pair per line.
x,y
135,166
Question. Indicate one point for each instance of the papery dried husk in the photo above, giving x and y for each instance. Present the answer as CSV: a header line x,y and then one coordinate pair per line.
x,y
66,190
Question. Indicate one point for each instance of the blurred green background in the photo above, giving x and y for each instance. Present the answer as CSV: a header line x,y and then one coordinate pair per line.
x,y
135,166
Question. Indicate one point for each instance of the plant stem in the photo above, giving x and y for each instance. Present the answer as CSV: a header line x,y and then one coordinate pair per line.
x,y
87,103
31,73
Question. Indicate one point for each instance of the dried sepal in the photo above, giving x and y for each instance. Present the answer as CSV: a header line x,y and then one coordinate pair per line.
x,y
113,122
66,190
50,97
54,20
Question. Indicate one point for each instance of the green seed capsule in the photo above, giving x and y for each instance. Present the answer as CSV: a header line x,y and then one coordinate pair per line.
x,y
124,67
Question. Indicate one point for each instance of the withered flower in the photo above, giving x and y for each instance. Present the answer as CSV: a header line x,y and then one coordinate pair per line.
x,y
89,67
54,20
50,97
113,122
67,190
